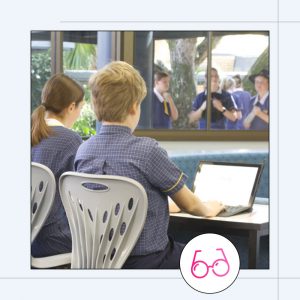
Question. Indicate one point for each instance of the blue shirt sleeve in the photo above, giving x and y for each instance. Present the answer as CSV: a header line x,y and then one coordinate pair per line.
x,y
197,102
163,173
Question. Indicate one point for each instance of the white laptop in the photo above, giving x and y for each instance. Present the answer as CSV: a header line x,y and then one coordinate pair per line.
x,y
234,184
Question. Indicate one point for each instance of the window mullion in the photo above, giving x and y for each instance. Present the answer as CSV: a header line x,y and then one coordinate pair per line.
x,y
56,52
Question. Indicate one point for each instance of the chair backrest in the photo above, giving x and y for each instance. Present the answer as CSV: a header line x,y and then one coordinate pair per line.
x,y
106,215
43,188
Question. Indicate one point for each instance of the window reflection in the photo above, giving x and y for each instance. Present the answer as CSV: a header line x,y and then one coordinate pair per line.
x,y
180,57
238,57
183,58
40,64
80,62
223,106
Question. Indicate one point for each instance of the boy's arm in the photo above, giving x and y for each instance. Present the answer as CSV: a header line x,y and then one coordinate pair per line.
x,y
197,115
186,200
261,114
173,208
173,108
229,114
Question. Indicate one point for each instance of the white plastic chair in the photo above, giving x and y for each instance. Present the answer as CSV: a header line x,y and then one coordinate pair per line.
x,y
43,188
106,215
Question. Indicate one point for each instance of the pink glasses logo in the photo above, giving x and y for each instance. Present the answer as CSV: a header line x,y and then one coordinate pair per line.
x,y
220,267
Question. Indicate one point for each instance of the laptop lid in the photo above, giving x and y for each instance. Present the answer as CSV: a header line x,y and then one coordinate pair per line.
x,y
231,183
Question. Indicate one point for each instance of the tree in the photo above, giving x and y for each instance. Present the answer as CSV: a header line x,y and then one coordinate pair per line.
x,y
40,73
185,57
82,57
201,51
183,89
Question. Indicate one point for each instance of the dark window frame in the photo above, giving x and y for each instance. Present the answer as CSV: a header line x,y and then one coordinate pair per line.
x,y
209,134
127,54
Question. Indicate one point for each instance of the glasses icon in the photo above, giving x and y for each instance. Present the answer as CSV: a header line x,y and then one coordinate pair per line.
x,y
220,267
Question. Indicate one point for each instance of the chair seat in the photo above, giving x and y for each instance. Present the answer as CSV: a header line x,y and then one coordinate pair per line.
x,y
51,261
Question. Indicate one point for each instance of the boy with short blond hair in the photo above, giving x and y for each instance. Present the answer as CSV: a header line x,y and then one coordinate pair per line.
x,y
115,89
117,92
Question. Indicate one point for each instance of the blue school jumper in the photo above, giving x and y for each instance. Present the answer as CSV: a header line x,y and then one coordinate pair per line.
x,y
115,151
159,118
244,101
217,118
258,123
57,152
229,125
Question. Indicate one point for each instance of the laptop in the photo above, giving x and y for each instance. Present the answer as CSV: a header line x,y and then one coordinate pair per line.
x,y
233,184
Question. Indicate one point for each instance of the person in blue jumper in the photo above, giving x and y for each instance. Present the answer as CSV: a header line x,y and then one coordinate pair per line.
x,y
222,106
258,118
117,93
164,110
244,99
228,85
54,145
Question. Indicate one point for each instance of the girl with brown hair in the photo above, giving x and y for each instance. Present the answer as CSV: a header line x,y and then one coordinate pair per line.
x,y
54,144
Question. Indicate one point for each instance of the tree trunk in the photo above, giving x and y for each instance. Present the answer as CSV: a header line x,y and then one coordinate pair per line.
x,y
183,89
202,49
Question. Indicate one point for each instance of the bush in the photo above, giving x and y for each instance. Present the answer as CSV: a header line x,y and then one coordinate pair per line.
x,y
40,73
86,124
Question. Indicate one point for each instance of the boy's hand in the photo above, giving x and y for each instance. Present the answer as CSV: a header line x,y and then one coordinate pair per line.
x,y
214,208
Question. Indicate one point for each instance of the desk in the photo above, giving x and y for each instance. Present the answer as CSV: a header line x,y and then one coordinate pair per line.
x,y
252,224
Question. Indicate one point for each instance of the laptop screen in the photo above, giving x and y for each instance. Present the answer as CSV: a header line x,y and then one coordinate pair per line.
x,y
231,183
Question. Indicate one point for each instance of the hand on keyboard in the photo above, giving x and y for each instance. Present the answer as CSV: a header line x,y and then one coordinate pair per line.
x,y
214,208
231,210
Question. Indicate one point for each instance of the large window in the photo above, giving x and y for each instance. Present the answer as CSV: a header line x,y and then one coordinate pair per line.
x,y
71,52
80,62
40,64
234,59
186,57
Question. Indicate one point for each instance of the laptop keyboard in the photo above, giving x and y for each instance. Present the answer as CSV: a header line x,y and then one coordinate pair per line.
x,y
232,210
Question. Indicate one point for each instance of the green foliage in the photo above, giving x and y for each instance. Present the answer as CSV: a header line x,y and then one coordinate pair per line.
x,y
82,57
40,73
86,124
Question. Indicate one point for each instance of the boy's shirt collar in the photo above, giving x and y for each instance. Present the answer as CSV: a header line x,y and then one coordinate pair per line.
x,y
159,96
111,129
262,100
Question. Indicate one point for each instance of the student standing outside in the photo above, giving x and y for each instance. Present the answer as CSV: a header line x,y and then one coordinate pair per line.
x,y
244,99
222,106
258,118
164,110
228,85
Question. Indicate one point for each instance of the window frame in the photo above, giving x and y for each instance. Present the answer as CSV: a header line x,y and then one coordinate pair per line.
x,y
126,53
196,134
